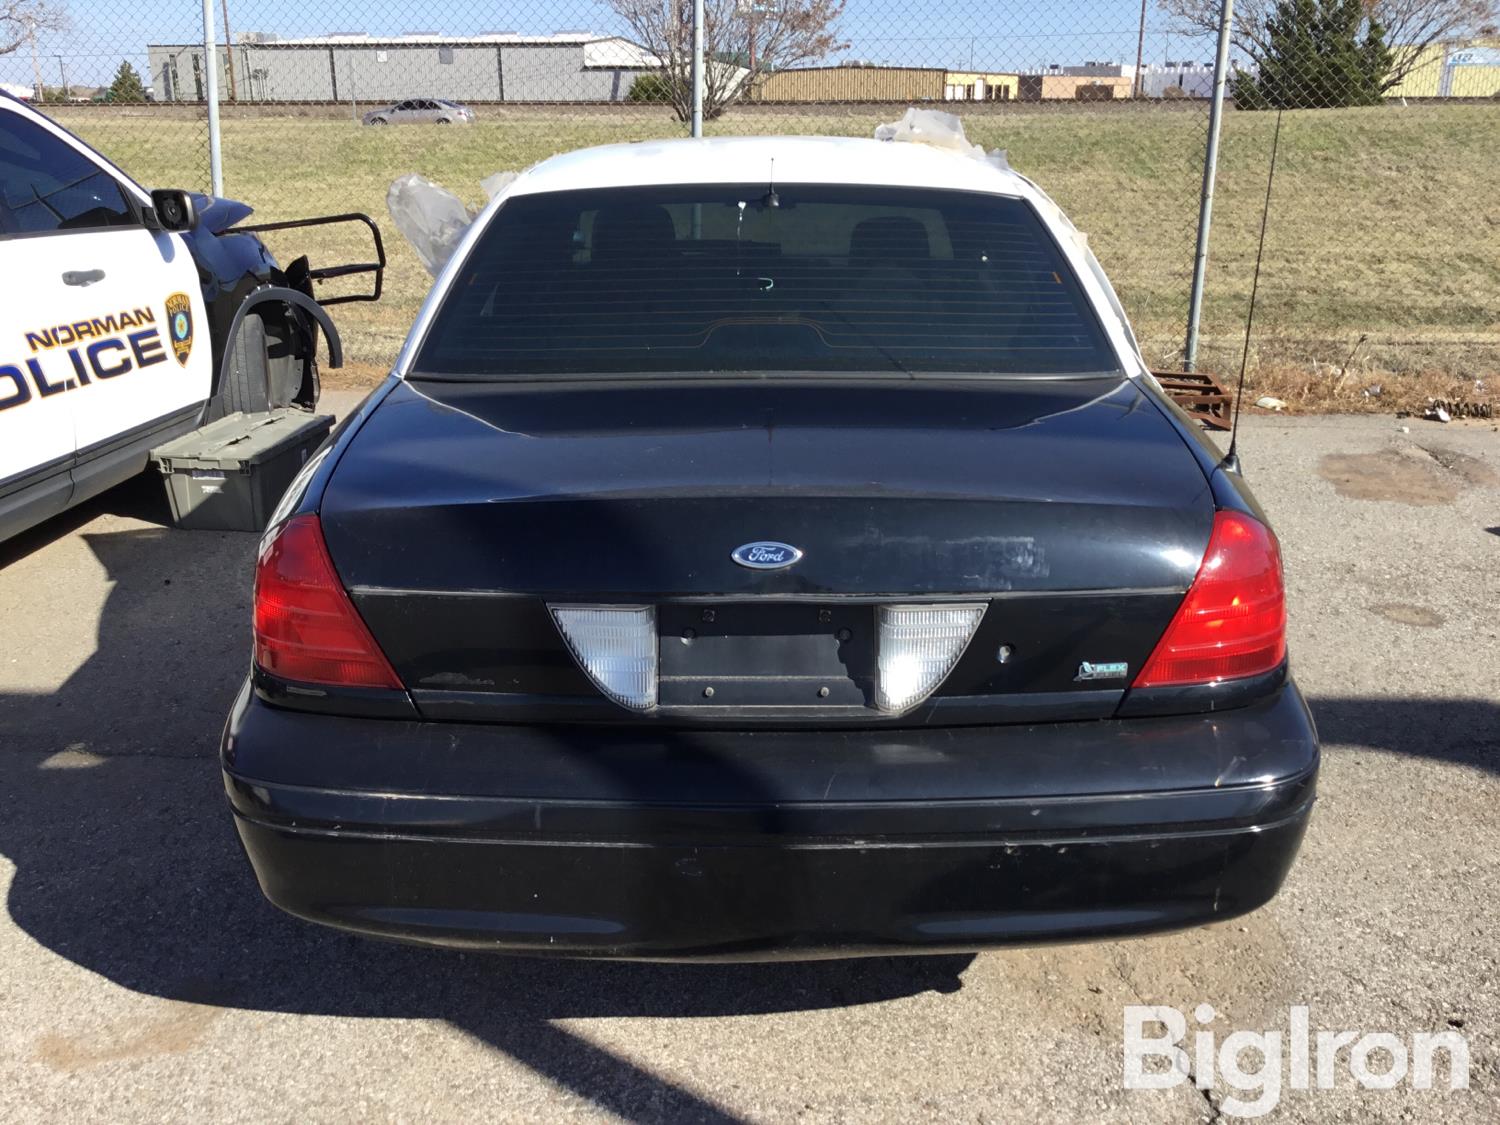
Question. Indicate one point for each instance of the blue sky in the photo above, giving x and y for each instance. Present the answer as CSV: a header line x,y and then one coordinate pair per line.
x,y
998,36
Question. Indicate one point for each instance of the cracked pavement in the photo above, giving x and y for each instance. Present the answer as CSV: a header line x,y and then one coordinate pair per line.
x,y
143,978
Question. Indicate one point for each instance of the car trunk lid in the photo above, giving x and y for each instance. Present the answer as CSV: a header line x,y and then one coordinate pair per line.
x,y
1070,508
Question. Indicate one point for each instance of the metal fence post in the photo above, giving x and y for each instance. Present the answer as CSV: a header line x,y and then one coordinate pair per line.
x,y
211,96
697,68
1206,203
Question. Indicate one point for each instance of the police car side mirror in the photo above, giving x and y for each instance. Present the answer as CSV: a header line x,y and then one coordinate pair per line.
x,y
174,209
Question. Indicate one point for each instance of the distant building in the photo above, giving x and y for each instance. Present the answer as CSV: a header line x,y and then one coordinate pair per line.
x,y
1055,86
1463,69
1090,81
981,87
1177,80
863,82
1095,70
817,84
567,67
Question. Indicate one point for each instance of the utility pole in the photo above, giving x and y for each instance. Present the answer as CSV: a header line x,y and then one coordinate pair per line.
x,y
39,90
234,94
1140,51
62,70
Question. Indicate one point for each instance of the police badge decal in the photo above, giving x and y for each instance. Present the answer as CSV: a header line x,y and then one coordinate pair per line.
x,y
180,326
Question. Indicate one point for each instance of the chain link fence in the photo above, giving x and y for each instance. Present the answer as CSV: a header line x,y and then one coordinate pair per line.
x,y
1382,251
1384,244
87,64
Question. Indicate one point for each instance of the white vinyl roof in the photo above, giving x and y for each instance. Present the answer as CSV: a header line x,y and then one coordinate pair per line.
x,y
618,53
808,160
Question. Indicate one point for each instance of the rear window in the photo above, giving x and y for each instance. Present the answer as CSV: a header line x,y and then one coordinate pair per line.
x,y
726,279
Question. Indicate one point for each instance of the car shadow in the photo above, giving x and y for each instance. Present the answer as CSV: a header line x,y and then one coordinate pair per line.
x,y
113,813
141,497
126,863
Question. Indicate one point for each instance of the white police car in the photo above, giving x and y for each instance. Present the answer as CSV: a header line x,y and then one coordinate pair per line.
x,y
118,306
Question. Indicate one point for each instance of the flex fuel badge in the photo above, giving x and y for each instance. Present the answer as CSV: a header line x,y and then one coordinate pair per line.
x,y
180,326
1102,670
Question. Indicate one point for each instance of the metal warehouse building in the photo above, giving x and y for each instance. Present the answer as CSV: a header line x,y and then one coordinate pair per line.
x,y
567,67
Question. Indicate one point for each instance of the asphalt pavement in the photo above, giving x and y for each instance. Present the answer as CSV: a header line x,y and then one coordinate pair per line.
x,y
143,978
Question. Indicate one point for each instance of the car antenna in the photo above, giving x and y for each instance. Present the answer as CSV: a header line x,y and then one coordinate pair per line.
x,y
1232,458
771,199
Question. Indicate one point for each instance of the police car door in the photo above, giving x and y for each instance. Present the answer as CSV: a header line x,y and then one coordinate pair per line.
x,y
103,316
36,429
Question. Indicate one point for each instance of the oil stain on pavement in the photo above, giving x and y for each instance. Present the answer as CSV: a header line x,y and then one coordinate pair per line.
x,y
1405,474
177,1028
1403,614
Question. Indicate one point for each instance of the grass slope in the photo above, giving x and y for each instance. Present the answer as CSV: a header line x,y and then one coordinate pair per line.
x,y
1385,221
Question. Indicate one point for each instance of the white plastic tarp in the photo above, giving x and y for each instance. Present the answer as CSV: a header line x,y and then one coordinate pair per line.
x,y
432,218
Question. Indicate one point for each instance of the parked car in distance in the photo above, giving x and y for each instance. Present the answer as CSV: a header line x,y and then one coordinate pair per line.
x,y
420,111
769,547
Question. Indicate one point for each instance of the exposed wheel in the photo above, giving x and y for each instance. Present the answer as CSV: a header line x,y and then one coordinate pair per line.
x,y
266,370
247,384
378,121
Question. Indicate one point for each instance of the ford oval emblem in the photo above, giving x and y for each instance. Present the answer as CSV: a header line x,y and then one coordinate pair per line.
x,y
766,555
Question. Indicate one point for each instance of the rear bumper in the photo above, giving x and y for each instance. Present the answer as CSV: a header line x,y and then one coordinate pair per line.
x,y
676,844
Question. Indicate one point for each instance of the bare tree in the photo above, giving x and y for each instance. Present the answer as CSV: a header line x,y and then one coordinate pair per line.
x,y
743,42
20,20
1411,26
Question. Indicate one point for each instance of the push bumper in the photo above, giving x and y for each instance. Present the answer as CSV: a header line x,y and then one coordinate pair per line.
x,y
685,844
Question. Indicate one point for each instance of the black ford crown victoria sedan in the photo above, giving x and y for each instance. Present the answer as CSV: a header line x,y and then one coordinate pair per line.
x,y
769,547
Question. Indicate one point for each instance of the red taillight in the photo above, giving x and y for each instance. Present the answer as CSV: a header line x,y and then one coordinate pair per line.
x,y
1233,620
306,628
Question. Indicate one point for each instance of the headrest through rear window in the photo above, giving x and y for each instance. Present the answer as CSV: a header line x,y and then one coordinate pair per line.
x,y
629,231
890,237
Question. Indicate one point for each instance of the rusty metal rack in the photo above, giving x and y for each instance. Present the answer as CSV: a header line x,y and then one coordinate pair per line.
x,y
1200,394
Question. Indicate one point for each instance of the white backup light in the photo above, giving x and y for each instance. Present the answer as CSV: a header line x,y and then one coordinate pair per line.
x,y
919,645
617,647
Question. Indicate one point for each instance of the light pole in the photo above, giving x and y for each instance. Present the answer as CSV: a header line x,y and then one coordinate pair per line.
x,y
697,113
211,100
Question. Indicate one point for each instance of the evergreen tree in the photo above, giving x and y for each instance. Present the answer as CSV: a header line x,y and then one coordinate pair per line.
x,y
127,85
1319,54
650,87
